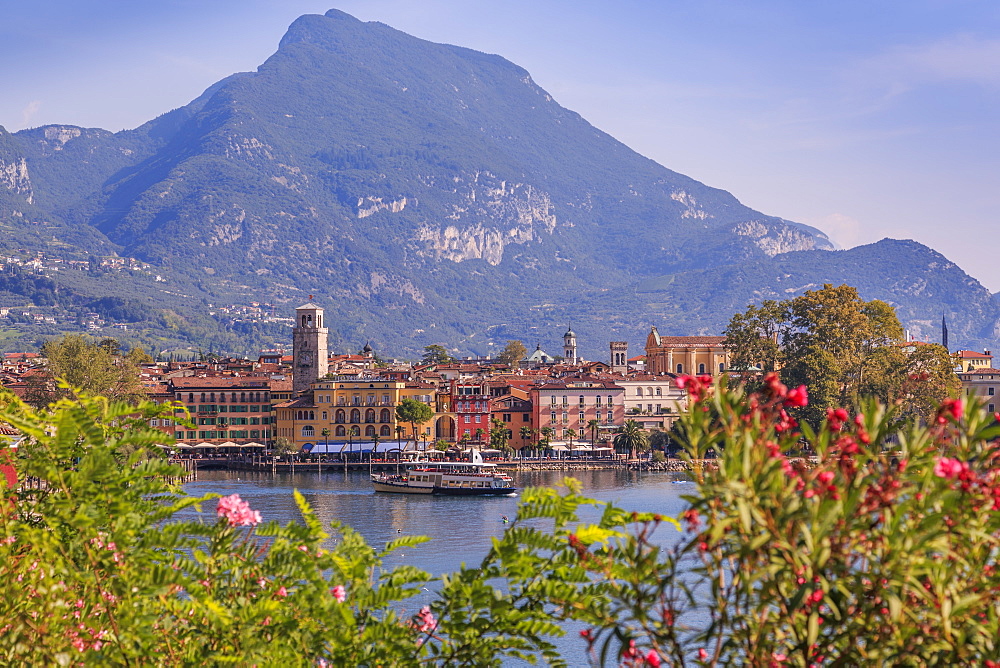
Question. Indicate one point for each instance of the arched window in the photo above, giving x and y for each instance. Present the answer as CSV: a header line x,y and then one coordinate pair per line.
x,y
370,415
680,368
340,431
385,430
211,397
638,391
324,416
243,397
385,415
701,369
370,430
649,391
222,397
308,431
202,397
355,416
659,392
341,416
722,367
190,397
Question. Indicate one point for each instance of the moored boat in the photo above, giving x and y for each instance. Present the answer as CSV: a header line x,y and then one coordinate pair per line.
x,y
472,478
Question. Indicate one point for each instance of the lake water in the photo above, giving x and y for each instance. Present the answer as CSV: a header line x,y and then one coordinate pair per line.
x,y
460,528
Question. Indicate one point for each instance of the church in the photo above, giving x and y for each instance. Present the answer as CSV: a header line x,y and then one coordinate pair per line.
x,y
693,355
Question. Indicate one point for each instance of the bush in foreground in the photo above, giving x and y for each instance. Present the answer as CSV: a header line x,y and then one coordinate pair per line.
x,y
880,552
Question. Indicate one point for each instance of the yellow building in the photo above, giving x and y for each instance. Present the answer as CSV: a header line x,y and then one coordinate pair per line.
x,y
693,355
353,411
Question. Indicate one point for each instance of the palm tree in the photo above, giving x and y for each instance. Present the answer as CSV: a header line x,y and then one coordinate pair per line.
x,y
479,435
351,433
525,434
592,426
630,438
571,434
326,438
546,436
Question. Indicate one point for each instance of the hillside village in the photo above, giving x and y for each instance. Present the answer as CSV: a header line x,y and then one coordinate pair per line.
x,y
313,401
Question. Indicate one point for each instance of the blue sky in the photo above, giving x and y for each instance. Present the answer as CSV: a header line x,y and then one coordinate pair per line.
x,y
864,119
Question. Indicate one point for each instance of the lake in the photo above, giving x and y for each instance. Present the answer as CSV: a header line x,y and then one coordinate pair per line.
x,y
460,528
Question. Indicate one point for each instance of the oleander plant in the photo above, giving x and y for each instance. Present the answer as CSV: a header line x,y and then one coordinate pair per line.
x,y
866,540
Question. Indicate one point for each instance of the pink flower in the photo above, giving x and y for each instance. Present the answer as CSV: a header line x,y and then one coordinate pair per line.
x,y
237,512
825,477
797,397
281,593
427,621
947,467
653,659
702,654
339,593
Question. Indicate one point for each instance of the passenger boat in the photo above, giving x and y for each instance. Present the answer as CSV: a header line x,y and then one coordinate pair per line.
x,y
472,478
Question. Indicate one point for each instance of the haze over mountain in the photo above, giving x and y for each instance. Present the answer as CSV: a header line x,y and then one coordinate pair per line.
x,y
424,193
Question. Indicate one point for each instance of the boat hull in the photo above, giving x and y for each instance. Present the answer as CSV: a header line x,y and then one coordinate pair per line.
x,y
400,488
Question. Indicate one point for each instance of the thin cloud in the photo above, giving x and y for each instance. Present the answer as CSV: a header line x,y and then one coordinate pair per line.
x,y
957,58
29,112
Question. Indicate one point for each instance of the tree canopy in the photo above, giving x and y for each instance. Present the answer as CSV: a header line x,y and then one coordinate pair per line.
x,y
436,354
414,412
513,353
97,367
841,348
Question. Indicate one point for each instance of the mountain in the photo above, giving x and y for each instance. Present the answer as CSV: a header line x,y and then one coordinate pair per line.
x,y
425,193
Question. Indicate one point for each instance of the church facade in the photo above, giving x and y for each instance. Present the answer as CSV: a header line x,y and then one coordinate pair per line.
x,y
693,355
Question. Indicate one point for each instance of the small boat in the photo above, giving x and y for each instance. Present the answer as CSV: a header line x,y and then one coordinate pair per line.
x,y
472,478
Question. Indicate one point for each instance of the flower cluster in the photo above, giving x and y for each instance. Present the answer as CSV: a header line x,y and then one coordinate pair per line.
x,y
237,512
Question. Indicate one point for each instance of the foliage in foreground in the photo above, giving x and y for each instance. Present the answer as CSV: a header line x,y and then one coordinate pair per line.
x,y
881,553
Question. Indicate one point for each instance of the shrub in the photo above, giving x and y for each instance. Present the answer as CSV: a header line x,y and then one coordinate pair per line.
x,y
881,551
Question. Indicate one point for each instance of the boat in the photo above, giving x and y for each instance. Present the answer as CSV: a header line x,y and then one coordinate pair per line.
x,y
471,478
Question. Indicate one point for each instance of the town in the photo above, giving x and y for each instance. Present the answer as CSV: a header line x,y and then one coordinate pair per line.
x,y
524,400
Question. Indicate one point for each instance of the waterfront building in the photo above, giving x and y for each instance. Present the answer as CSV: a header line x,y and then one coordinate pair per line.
x,y
571,403
224,408
514,410
351,410
693,355
652,401
471,406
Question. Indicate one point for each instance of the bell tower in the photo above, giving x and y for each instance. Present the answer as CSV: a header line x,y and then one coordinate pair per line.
x,y
569,346
619,356
309,348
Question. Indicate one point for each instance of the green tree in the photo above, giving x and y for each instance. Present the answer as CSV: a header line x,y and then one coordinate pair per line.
x,y
436,354
592,426
413,412
95,368
546,436
840,347
631,439
513,353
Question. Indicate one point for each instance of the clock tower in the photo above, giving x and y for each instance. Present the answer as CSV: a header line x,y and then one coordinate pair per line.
x,y
309,351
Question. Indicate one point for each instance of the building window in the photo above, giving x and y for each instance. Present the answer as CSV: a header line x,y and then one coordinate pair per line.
x,y
552,416
553,400
638,391
611,402
583,417
659,392
680,368
468,419
990,391
582,402
565,417
308,431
